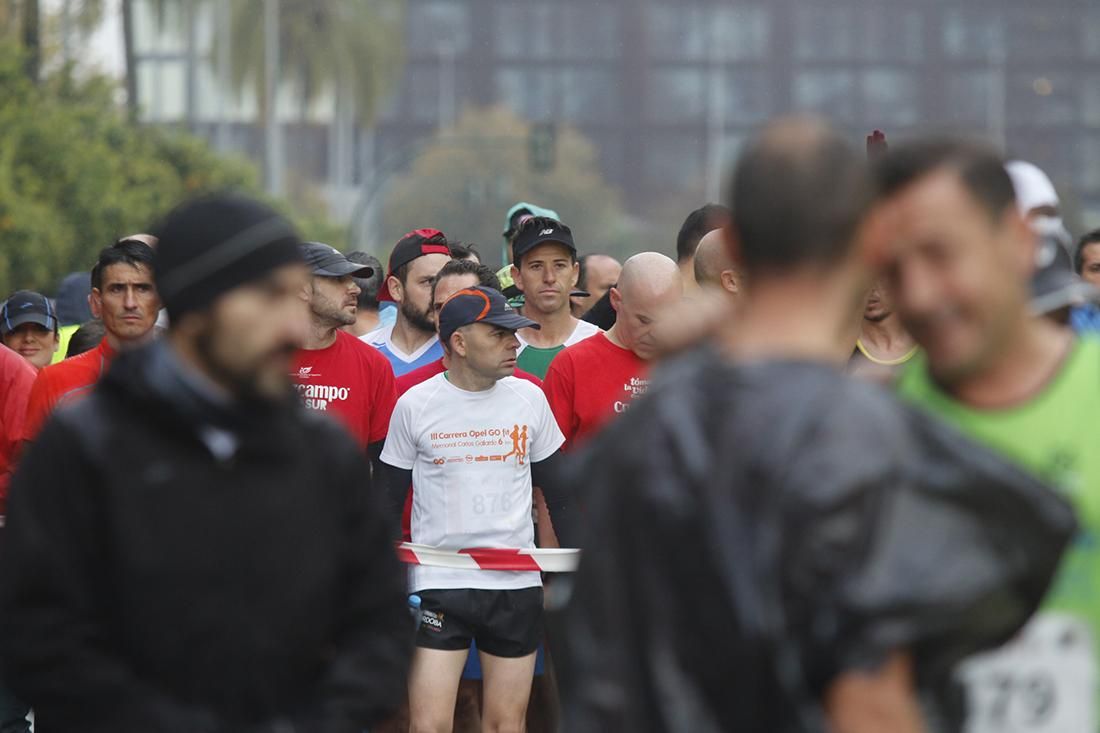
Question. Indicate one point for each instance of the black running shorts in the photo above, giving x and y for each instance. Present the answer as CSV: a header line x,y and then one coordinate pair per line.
x,y
504,623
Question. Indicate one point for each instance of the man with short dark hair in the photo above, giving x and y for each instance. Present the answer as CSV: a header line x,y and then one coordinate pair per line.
x,y
465,251
209,556
472,441
334,371
963,257
1086,260
411,342
811,520
124,298
705,219
29,327
545,270
367,315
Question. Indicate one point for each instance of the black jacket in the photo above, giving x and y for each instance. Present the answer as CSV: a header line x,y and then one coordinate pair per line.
x,y
148,586
758,530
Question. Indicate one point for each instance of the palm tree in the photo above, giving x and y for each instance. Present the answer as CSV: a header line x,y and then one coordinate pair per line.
x,y
349,48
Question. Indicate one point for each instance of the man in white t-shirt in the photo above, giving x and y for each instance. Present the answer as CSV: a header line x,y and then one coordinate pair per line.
x,y
471,440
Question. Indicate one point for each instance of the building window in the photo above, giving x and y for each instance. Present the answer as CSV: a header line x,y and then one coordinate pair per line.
x,y
162,90
1090,33
1088,166
891,97
826,32
556,30
572,93
678,95
831,94
968,97
1043,33
430,24
699,32
1037,98
674,161
976,33
748,96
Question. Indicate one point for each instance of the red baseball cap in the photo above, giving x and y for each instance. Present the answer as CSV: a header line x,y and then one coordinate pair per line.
x,y
416,243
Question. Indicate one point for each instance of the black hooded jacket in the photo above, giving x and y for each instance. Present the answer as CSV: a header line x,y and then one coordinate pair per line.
x,y
149,586
759,530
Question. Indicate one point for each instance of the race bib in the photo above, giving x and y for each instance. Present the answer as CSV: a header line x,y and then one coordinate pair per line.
x,y
1043,681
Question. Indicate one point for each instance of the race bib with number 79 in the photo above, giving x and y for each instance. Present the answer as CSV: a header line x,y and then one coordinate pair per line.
x,y
1043,681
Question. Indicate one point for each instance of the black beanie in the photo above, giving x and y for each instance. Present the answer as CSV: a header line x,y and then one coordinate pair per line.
x,y
212,244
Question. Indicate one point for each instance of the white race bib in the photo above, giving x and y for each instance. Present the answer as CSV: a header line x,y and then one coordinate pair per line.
x,y
1043,681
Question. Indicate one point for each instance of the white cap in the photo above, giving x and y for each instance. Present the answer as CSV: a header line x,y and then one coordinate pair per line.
x,y
1033,187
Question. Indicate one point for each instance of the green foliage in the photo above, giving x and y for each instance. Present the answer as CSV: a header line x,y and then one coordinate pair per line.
x,y
470,175
75,174
352,47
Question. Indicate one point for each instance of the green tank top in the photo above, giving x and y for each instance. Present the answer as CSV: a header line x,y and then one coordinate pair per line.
x,y
535,360
1054,435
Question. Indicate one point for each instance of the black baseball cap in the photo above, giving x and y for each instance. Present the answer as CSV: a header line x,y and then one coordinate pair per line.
x,y
553,232
27,306
479,305
416,243
328,261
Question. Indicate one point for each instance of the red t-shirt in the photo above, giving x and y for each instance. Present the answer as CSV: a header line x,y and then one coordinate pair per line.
x,y
406,382
16,378
63,382
591,382
353,381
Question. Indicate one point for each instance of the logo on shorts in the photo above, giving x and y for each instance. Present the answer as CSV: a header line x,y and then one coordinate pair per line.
x,y
433,620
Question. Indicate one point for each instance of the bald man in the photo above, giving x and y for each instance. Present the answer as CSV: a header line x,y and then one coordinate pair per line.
x,y
591,382
714,267
598,274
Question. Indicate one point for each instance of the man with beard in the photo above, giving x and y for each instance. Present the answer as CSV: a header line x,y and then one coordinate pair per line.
x,y
883,344
210,556
1027,387
411,341
334,371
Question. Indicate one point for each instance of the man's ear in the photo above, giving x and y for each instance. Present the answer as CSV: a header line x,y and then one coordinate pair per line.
x,y
576,274
616,299
306,293
397,290
95,303
515,278
458,343
729,282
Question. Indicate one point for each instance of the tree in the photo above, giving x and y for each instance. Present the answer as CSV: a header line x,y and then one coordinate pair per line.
x,y
469,175
350,49
75,174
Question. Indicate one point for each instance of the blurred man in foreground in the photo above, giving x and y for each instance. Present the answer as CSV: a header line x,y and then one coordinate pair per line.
x,y
209,556
766,552
1023,385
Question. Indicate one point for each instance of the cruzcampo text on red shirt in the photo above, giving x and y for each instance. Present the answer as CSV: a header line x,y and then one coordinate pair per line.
x,y
352,381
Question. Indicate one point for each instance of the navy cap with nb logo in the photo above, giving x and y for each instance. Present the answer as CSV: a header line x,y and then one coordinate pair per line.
x,y
479,305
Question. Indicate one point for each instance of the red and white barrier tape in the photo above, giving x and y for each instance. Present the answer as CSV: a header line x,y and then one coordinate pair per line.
x,y
544,560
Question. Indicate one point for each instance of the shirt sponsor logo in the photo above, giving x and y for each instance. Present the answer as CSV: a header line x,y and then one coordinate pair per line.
x,y
636,387
306,372
320,396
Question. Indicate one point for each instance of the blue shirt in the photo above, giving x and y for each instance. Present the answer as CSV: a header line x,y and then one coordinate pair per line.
x,y
402,363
